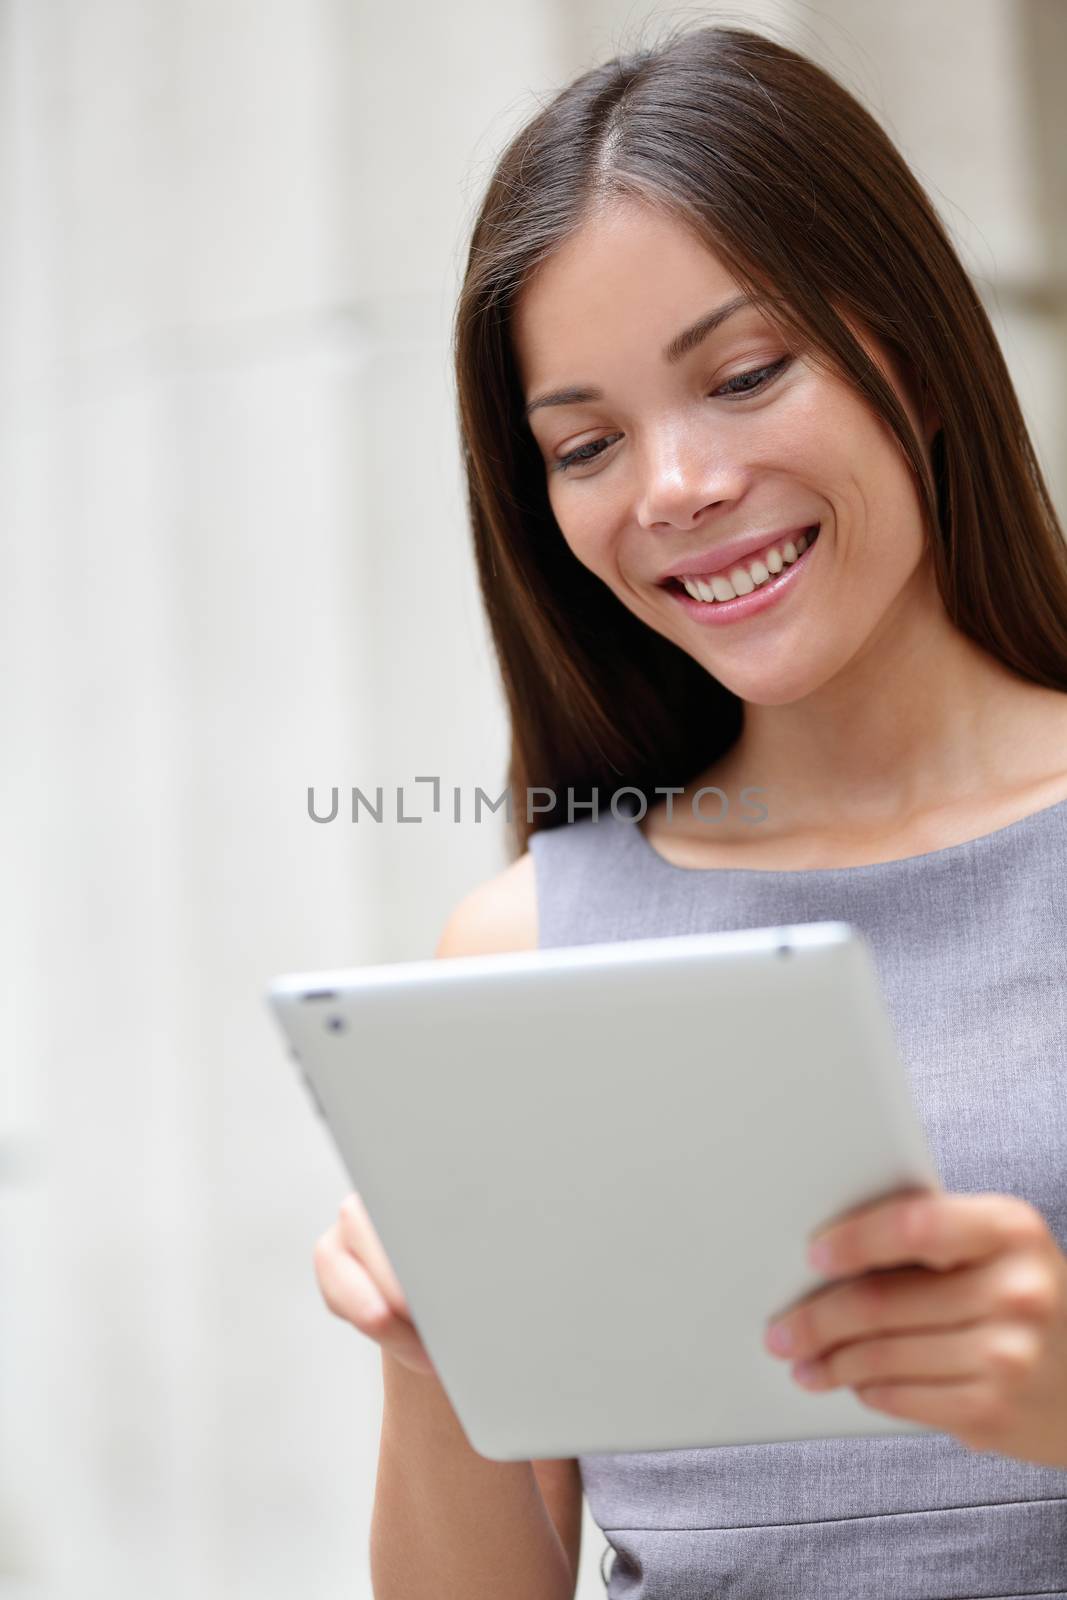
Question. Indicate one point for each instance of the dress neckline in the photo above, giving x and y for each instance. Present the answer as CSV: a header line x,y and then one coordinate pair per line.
x,y
641,847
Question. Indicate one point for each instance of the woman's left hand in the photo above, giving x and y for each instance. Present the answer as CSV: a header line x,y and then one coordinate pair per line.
x,y
966,1331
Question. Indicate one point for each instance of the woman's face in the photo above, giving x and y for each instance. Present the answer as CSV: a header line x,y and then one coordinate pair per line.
x,y
730,438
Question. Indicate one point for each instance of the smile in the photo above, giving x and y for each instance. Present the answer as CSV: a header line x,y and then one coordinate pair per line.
x,y
748,587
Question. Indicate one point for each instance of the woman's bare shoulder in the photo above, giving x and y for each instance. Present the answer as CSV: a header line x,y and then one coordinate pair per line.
x,y
496,916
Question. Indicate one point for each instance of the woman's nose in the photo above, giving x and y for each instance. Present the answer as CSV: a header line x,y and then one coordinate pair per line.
x,y
681,484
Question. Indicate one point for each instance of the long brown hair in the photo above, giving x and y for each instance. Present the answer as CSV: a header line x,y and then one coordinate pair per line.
x,y
797,188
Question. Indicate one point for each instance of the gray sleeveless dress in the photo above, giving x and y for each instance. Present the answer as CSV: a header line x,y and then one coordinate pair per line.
x,y
971,947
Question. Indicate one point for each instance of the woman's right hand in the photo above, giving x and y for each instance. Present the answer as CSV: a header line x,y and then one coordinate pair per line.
x,y
358,1284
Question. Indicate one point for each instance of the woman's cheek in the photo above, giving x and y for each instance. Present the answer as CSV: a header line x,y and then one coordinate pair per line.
x,y
588,542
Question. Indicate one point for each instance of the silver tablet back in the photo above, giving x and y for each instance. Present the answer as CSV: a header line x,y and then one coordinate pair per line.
x,y
595,1170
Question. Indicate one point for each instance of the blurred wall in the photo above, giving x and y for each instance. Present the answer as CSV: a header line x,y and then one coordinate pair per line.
x,y
235,564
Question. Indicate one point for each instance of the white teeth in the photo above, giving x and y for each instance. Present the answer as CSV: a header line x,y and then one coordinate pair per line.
x,y
743,580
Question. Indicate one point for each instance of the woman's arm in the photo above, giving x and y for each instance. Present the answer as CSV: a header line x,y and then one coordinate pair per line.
x,y
449,1524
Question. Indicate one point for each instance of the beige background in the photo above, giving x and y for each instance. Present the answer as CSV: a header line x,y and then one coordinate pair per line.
x,y
234,564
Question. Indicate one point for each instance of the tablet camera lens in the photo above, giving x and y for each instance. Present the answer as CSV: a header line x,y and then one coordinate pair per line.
x,y
336,1024
785,949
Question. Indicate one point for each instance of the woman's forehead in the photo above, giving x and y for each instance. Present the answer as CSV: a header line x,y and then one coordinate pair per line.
x,y
633,270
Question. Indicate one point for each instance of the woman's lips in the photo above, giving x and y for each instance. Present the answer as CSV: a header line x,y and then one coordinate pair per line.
x,y
737,552
719,612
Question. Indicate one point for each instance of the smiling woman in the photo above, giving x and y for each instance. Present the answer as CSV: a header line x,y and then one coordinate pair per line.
x,y
707,304
755,507
716,459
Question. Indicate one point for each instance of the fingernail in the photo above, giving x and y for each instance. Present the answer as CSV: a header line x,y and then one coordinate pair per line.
x,y
780,1338
806,1373
821,1256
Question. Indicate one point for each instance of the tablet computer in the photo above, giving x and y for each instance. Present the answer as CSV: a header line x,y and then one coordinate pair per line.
x,y
595,1169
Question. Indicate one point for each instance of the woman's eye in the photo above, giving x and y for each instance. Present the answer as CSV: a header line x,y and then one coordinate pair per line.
x,y
763,374
575,457
755,379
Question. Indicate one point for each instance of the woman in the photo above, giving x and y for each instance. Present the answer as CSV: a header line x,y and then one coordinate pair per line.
x,y
756,510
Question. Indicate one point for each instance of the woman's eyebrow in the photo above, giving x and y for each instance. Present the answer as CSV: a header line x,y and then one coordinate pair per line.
x,y
679,346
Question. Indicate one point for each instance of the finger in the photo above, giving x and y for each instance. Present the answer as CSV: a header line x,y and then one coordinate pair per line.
x,y
347,1286
933,1229
954,1353
910,1297
351,1294
964,1408
361,1237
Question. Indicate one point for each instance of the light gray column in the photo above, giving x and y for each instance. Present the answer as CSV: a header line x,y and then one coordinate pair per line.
x,y
228,443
